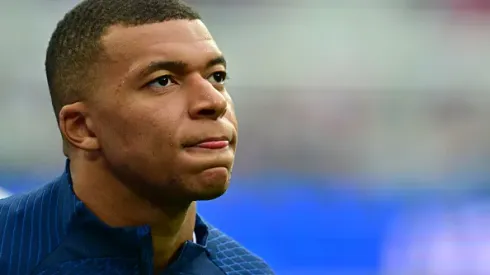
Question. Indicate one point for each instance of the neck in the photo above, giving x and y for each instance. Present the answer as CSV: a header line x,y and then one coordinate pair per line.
x,y
117,206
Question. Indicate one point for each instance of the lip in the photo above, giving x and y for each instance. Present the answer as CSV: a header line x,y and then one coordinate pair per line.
x,y
211,143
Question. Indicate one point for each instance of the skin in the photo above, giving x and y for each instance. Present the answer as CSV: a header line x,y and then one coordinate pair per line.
x,y
132,159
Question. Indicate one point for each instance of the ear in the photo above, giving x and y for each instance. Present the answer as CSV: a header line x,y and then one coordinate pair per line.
x,y
77,127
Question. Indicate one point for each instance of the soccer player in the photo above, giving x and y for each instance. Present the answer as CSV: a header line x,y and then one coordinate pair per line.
x,y
138,89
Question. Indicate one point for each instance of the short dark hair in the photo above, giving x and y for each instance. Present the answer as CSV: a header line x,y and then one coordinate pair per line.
x,y
75,45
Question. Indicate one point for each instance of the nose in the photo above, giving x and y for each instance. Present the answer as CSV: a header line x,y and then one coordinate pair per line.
x,y
206,102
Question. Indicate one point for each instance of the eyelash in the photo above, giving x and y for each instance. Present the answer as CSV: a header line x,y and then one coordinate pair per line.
x,y
156,80
225,76
172,80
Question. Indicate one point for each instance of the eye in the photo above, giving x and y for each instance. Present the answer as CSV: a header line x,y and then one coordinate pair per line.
x,y
218,78
162,81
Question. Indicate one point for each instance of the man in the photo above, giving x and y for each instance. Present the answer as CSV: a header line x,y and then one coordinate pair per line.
x,y
138,89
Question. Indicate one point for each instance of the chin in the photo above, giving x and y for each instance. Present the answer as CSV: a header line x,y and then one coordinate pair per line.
x,y
209,184
207,195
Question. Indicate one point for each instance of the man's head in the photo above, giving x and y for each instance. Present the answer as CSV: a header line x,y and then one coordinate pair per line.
x,y
138,87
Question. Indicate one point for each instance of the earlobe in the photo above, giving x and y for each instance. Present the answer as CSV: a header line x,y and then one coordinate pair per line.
x,y
76,127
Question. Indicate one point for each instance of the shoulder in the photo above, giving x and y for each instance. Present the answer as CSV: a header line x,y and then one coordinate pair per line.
x,y
21,219
232,257
15,209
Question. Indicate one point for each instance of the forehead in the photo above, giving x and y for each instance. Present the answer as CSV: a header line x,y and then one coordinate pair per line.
x,y
183,40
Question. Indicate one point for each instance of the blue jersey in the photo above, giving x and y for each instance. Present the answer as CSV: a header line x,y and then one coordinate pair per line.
x,y
50,231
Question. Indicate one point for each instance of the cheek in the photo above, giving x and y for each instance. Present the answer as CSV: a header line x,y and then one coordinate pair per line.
x,y
114,126
231,115
228,98
137,134
139,129
114,133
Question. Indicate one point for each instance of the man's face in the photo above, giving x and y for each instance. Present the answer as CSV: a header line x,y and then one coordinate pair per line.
x,y
163,118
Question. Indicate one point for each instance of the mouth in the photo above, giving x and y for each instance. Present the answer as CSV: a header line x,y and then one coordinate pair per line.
x,y
212,143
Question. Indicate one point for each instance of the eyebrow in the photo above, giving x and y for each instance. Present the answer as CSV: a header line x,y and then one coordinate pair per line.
x,y
178,67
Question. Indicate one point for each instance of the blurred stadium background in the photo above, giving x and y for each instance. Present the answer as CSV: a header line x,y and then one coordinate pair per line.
x,y
364,142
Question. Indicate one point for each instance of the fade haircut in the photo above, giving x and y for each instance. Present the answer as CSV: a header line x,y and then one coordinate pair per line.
x,y
75,46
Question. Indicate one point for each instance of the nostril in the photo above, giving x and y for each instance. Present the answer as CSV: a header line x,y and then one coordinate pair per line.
x,y
207,112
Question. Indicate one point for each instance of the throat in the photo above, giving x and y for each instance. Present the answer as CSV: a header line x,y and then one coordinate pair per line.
x,y
165,252
168,240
